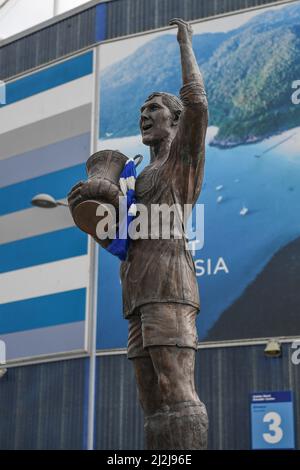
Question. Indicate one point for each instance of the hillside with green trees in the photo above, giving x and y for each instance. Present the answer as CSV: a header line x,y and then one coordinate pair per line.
x,y
248,74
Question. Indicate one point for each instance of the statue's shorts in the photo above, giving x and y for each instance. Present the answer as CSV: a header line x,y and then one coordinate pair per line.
x,y
162,324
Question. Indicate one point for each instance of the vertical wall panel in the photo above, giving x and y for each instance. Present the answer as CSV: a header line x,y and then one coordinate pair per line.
x,y
225,377
52,42
44,406
131,16
119,422
101,14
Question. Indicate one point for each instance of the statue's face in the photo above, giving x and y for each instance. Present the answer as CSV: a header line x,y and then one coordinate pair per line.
x,y
156,121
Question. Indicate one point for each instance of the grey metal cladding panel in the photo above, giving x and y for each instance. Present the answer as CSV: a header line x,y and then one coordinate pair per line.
x,y
68,35
172,9
118,22
42,406
76,32
119,423
145,14
203,9
26,53
7,61
132,16
224,377
19,56
87,27
48,44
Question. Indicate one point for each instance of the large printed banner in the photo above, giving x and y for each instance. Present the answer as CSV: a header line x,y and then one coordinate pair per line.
x,y
45,125
249,267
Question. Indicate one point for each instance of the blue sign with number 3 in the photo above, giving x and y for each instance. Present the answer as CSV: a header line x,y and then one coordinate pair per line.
x,y
272,420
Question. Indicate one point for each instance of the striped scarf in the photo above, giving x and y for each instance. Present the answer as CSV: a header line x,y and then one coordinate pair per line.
x,y
119,246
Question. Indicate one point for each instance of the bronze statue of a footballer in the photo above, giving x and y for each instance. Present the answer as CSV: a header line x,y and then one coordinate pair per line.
x,y
160,291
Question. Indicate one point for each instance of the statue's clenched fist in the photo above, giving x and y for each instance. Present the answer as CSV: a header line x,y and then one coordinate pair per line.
x,y
93,189
185,31
83,191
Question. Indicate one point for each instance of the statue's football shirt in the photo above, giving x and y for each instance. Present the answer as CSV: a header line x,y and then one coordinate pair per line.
x,y
162,270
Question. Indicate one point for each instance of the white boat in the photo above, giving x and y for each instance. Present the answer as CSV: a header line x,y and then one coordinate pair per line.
x,y
244,211
219,199
218,188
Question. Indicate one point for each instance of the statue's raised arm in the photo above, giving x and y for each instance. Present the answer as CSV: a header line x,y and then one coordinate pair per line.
x,y
189,142
190,69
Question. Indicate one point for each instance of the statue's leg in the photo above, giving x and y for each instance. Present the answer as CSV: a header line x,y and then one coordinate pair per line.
x,y
183,422
145,375
147,384
169,336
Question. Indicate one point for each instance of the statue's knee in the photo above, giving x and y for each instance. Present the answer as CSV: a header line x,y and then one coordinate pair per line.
x,y
175,387
164,385
149,397
171,386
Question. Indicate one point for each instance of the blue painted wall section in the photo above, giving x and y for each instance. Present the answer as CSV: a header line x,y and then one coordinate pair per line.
x,y
112,328
46,248
44,160
101,15
49,78
18,196
40,312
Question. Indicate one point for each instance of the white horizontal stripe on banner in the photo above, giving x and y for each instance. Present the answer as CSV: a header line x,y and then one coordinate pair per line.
x,y
46,132
32,222
45,279
44,105
50,340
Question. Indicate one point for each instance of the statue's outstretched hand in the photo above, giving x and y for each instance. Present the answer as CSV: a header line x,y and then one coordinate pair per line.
x,y
83,191
75,197
94,188
185,31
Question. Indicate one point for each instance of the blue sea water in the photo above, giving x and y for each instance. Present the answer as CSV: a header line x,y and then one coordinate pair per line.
x,y
269,186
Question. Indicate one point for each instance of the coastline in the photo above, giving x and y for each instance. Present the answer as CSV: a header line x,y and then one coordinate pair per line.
x,y
228,144
211,139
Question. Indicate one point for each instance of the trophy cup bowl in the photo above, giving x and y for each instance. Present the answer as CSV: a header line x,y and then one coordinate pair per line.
x,y
106,167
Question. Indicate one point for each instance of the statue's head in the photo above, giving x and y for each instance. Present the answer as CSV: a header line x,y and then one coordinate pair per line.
x,y
159,117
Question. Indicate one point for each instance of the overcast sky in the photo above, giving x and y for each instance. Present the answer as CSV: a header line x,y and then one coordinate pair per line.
x,y
18,15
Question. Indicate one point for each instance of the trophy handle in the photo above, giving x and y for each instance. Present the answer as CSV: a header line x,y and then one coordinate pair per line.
x,y
138,159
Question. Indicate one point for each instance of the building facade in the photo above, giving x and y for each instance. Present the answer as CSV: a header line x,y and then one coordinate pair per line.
x,y
68,383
